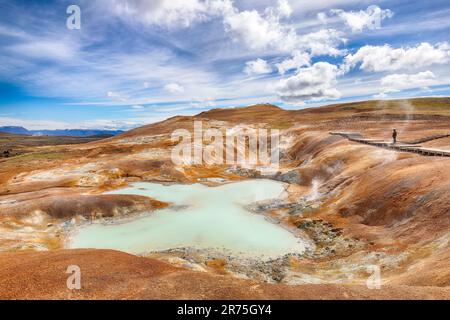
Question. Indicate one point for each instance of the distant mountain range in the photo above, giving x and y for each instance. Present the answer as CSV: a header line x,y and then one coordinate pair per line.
x,y
63,132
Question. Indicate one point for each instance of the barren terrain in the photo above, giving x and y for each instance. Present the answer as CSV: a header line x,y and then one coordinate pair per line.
x,y
360,205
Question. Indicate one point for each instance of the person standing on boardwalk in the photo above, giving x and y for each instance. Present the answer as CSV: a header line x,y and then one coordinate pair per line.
x,y
394,136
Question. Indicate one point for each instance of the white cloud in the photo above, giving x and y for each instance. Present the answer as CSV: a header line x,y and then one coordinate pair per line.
x,y
266,31
357,21
105,124
299,59
101,124
407,81
137,107
396,82
117,96
170,13
322,16
259,32
203,103
32,124
311,83
386,58
258,66
284,9
384,94
322,42
174,88
48,49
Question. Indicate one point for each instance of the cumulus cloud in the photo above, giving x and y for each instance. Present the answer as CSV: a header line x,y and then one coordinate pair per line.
x,y
310,83
322,42
174,88
357,21
299,59
257,31
282,10
396,82
407,81
386,58
258,66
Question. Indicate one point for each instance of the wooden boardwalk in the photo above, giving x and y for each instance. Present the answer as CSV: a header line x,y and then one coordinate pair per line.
x,y
412,147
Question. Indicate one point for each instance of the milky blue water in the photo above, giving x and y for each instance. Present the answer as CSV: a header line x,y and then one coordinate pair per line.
x,y
214,218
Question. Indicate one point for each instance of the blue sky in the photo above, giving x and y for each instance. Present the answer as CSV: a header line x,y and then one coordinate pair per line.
x,y
136,62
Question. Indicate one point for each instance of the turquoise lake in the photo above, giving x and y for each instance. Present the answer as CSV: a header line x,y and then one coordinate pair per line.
x,y
209,218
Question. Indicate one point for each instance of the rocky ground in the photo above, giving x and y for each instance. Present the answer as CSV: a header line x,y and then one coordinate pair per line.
x,y
116,275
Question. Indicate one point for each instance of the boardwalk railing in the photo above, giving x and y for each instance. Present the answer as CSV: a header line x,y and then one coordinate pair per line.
x,y
404,147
